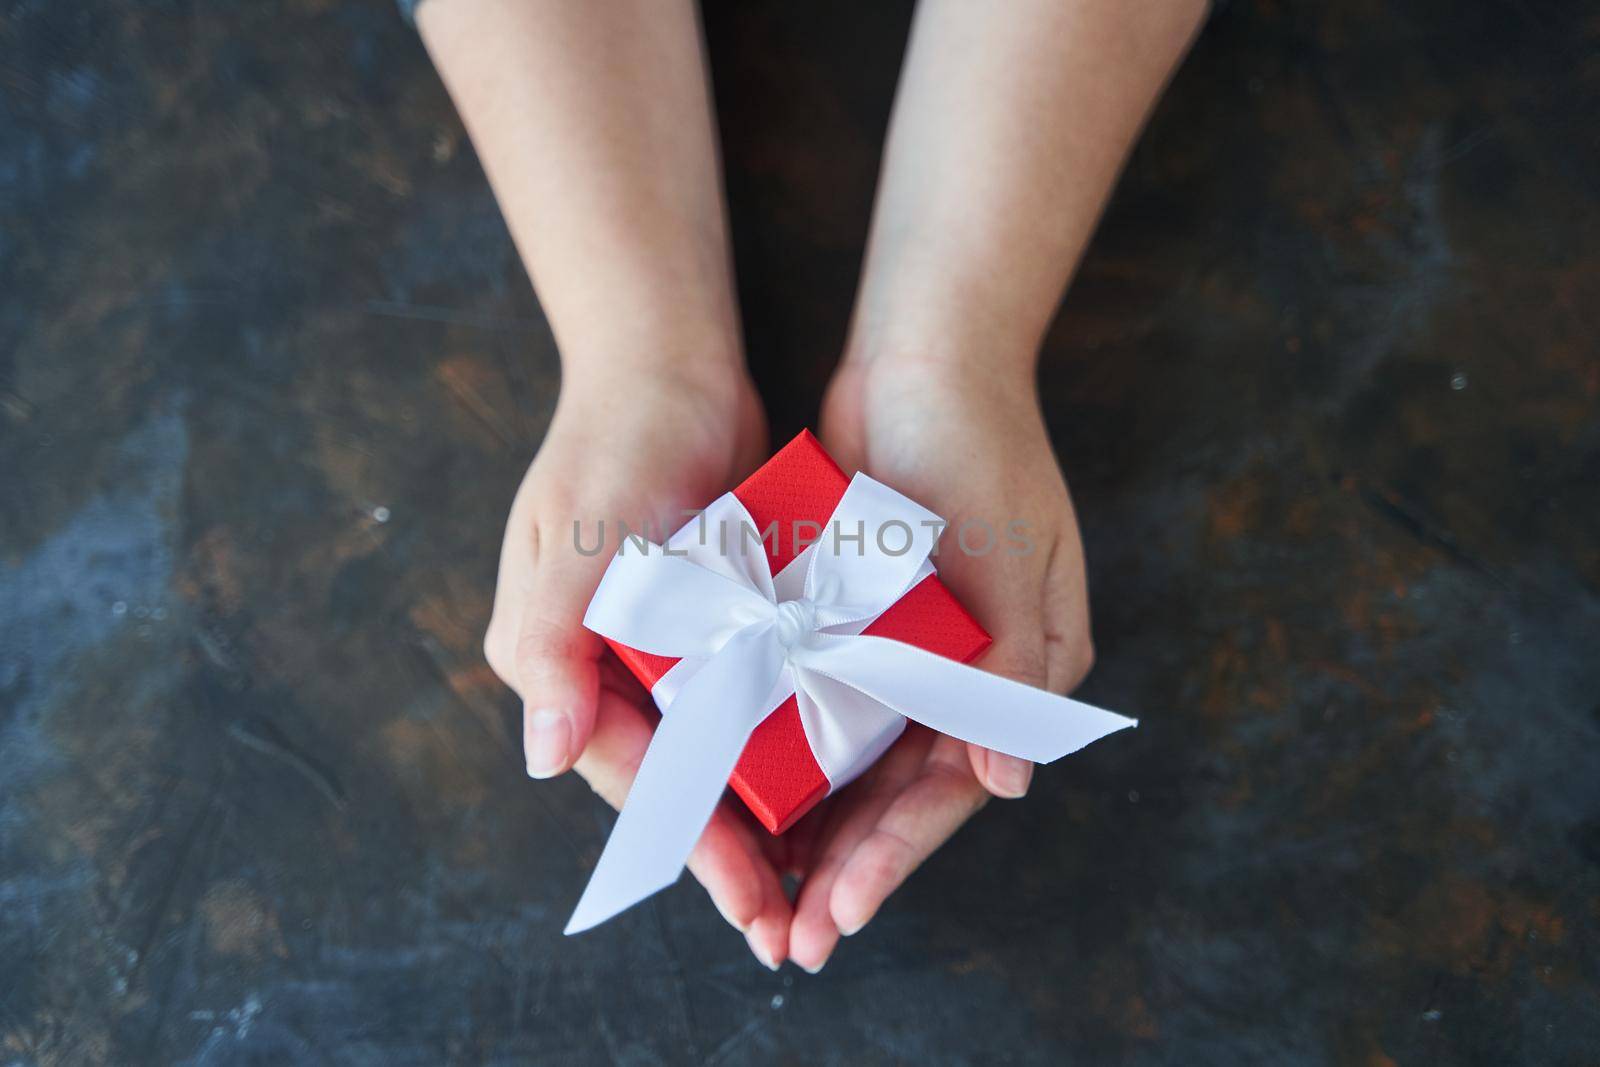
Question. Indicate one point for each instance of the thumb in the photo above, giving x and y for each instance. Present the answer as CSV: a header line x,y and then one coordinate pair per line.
x,y
556,662
1022,659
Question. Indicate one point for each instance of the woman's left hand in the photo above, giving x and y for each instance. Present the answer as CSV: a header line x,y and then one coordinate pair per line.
x,y
973,448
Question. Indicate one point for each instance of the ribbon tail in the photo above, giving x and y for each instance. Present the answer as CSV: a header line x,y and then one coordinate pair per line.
x,y
681,779
964,702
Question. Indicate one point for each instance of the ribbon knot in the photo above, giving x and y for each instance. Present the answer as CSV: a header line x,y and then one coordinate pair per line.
x,y
796,619
747,640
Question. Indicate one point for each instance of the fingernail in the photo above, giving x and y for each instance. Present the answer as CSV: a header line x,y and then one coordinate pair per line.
x,y
851,931
813,970
546,739
762,954
743,928
1009,776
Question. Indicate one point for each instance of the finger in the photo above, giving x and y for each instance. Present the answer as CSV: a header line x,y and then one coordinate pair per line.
x,y
919,820
799,842
1069,652
1006,777
728,861
1006,593
1019,654
744,886
622,732
556,660
814,935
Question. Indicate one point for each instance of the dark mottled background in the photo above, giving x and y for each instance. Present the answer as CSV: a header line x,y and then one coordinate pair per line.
x,y
1326,390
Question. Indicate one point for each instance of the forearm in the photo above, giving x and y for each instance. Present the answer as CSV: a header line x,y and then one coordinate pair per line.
x,y
593,123
1010,126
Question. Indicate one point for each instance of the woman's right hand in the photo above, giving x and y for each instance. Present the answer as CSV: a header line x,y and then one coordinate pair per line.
x,y
638,446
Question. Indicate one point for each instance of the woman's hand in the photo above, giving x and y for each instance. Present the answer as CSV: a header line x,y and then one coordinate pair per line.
x,y
973,448
1009,126
639,447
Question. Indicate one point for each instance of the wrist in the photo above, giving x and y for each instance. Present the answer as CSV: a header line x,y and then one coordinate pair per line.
x,y
645,326
704,364
936,337
937,364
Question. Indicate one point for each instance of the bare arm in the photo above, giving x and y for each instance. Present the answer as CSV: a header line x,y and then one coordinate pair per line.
x,y
593,121
1010,126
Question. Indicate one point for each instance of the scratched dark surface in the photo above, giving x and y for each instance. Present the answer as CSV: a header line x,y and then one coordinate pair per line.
x,y
1326,389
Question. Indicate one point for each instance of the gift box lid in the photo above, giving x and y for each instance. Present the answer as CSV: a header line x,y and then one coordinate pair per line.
x,y
777,775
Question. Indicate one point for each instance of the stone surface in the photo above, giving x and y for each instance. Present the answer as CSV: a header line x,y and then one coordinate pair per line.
x,y
1326,389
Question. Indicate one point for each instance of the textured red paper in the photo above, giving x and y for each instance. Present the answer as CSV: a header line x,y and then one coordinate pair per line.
x,y
777,776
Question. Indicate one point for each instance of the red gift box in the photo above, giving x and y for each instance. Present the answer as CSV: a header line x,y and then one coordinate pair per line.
x,y
777,776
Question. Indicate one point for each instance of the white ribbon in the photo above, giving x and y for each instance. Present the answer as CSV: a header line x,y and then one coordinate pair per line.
x,y
713,602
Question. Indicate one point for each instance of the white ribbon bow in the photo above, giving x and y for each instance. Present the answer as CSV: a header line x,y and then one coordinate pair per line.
x,y
751,645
